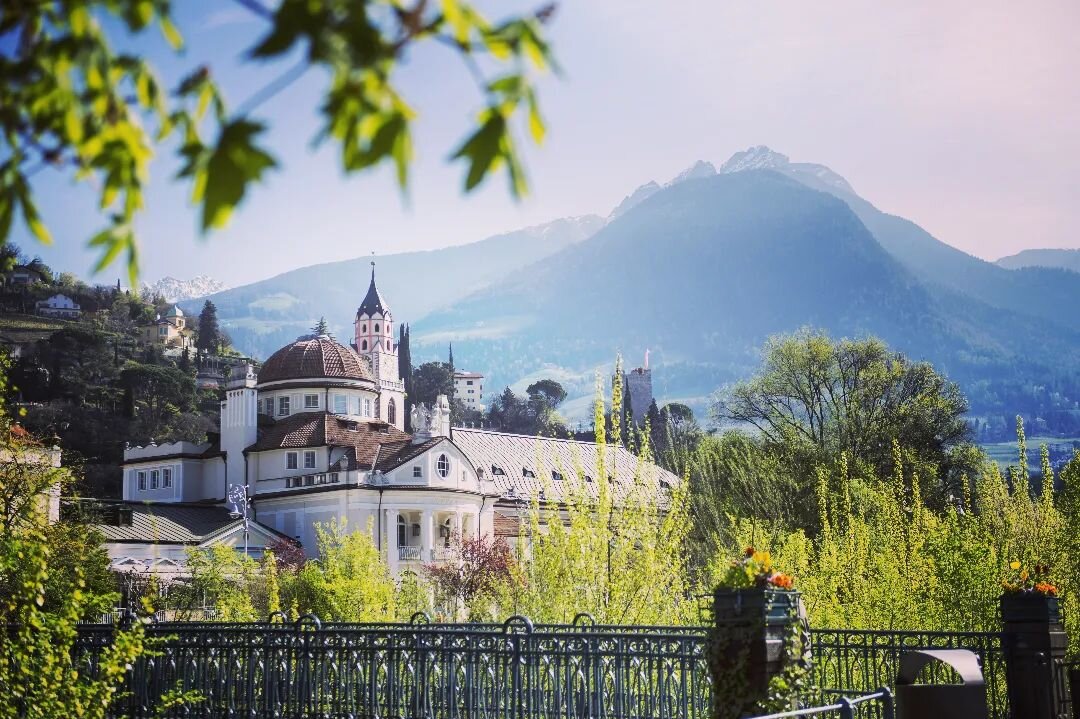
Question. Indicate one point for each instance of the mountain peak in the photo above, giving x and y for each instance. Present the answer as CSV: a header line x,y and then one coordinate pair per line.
x,y
635,198
699,169
755,158
174,290
762,157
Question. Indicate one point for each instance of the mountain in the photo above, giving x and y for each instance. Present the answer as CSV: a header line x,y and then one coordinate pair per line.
x,y
704,270
263,316
1038,292
1061,259
174,290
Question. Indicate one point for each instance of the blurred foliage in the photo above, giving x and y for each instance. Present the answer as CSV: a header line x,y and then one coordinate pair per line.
x,y
74,103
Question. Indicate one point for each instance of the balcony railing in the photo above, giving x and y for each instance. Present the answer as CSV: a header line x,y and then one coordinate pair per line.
x,y
441,554
408,554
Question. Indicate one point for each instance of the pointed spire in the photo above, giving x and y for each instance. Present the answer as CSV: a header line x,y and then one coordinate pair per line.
x,y
373,302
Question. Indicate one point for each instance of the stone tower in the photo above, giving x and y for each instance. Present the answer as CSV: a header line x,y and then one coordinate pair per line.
x,y
637,386
374,339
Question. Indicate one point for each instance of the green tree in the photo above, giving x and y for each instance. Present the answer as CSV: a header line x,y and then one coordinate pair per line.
x,y
349,582
815,398
208,336
44,594
431,379
98,114
321,328
160,393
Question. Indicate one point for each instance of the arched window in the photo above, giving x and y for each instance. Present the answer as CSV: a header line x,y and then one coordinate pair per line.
x,y
388,345
363,327
376,328
402,532
443,465
363,345
391,411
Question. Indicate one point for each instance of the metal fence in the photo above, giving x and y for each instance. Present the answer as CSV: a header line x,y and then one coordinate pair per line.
x,y
508,671
855,661
513,670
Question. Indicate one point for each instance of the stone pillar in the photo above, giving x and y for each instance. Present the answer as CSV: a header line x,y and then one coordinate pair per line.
x,y
1034,643
427,535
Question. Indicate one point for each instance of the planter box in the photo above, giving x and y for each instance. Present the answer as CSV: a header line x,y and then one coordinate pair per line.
x,y
1030,608
772,607
754,624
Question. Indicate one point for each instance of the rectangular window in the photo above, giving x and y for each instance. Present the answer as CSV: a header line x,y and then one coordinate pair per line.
x,y
341,404
154,474
142,481
166,477
311,401
269,404
360,405
282,406
367,407
290,460
417,472
469,383
333,478
309,459
309,480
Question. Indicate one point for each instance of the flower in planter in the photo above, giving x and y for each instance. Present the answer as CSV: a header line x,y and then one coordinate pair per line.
x,y
1021,580
755,570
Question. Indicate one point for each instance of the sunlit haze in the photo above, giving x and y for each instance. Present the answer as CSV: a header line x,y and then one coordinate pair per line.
x,y
957,116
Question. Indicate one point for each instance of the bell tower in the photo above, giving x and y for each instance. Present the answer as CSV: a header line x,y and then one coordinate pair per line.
x,y
374,338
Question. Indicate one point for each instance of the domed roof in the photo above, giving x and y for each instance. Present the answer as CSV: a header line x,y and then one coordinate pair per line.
x,y
315,358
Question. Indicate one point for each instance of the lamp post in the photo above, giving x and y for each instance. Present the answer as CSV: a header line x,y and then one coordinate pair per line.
x,y
238,496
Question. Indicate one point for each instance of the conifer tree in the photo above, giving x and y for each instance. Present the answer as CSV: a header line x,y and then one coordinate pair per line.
x,y
209,337
321,328
405,371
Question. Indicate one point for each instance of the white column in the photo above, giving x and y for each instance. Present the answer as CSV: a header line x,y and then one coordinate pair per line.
x,y
427,534
455,528
392,541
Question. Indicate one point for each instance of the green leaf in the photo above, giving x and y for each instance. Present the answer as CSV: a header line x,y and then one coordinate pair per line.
x,y
171,33
234,163
482,148
32,218
536,122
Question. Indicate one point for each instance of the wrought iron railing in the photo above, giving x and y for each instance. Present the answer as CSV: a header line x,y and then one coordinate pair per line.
x,y
429,670
409,553
850,661
513,670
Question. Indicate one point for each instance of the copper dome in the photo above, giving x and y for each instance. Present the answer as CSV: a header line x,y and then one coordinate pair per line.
x,y
315,358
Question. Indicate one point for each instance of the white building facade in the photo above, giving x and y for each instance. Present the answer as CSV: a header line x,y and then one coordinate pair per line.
x,y
318,435
469,388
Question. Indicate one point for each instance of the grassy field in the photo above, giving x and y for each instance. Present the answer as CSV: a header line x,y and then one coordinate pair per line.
x,y
31,323
1005,453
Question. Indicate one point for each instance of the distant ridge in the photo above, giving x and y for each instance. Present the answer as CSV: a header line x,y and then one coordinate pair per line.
x,y
1054,258
174,290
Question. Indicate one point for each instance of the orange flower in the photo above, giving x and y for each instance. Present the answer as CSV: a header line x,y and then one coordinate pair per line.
x,y
781,581
1046,588
749,551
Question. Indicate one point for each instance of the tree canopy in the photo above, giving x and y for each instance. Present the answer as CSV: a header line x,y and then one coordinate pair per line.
x,y
76,104
817,398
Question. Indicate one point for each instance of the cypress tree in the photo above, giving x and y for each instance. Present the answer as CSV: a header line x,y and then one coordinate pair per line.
x,y
209,331
321,328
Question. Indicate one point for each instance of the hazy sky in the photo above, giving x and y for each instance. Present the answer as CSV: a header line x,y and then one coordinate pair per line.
x,y
960,116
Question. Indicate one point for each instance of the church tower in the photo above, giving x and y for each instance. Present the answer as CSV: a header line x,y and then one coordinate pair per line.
x,y
374,339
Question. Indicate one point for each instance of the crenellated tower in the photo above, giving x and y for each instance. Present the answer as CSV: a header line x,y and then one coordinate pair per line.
x,y
374,338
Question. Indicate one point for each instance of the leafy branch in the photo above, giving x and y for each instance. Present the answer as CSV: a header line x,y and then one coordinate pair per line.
x,y
72,103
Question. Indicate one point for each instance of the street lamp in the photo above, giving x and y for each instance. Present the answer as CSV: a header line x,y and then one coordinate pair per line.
x,y
238,496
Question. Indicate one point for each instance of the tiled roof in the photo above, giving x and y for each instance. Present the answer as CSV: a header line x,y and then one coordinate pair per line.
x,y
315,358
319,429
171,524
527,465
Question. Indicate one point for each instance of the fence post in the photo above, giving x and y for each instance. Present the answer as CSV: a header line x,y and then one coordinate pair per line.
x,y
847,709
1034,643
